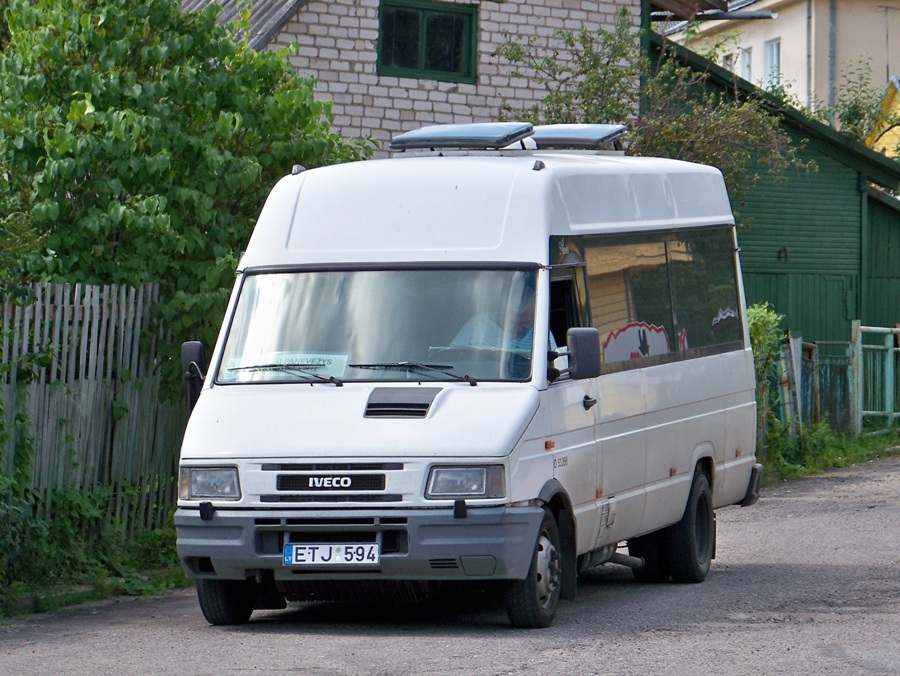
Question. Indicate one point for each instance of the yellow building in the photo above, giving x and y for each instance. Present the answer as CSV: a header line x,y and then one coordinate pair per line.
x,y
886,137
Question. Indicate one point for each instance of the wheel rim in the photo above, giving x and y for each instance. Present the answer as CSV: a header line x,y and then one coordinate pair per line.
x,y
547,571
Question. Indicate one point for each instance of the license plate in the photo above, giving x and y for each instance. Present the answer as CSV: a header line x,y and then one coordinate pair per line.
x,y
323,554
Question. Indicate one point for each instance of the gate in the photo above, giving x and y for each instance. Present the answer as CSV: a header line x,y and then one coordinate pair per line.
x,y
844,384
874,353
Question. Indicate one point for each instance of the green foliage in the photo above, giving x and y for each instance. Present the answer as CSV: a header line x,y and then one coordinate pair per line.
x,y
856,110
23,556
765,340
597,81
597,78
683,119
137,144
795,450
81,546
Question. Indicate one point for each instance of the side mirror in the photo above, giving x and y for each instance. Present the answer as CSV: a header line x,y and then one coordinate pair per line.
x,y
193,365
584,352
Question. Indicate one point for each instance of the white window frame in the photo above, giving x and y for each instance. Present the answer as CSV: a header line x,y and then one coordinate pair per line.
x,y
747,63
728,61
772,63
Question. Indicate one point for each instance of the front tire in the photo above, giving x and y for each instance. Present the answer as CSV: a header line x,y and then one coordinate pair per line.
x,y
690,542
531,603
226,602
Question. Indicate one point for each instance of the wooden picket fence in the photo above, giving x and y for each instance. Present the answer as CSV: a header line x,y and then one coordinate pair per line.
x,y
94,410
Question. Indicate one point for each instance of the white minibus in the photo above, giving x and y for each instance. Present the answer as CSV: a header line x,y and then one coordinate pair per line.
x,y
505,355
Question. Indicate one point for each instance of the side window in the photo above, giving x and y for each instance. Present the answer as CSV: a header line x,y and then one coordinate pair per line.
x,y
568,308
705,286
631,300
666,296
427,40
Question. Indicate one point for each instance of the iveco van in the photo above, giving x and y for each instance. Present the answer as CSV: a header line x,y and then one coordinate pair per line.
x,y
507,355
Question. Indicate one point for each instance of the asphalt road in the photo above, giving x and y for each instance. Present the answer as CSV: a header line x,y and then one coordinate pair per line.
x,y
805,582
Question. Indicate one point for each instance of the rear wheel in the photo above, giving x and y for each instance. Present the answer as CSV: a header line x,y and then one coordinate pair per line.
x,y
690,542
226,601
531,603
650,548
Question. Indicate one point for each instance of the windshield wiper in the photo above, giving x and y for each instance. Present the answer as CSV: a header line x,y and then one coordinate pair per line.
x,y
417,366
291,368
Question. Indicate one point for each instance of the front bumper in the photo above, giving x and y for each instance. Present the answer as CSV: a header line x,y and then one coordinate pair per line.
x,y
488,543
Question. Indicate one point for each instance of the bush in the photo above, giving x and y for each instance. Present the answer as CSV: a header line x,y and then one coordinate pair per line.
x,y
81,546
138,143
794,450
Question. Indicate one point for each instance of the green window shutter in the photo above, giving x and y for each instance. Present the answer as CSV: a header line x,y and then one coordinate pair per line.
x,y
428,40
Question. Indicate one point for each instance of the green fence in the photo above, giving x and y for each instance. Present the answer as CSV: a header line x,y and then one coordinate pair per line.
x,y
874,353
853,386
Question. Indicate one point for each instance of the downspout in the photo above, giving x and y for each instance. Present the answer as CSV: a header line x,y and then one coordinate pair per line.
x,y
645,51
863,307
832,38
809,55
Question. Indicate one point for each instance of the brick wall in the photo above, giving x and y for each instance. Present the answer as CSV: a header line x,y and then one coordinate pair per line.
x,y
338,40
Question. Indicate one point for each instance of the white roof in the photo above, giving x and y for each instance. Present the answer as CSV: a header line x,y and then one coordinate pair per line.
x,y
469,207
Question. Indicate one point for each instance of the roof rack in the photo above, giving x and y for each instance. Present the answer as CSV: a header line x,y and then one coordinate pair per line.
x,y
510,136
483,136
578,136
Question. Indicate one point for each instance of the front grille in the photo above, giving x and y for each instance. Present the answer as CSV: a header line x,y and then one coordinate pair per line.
x,y
307,482
330,497
332,467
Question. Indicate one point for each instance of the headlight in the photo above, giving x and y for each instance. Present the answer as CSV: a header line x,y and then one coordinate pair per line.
x,y
487,481
209,482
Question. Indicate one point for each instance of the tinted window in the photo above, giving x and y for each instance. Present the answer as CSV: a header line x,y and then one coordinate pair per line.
x,y
663,296
707,309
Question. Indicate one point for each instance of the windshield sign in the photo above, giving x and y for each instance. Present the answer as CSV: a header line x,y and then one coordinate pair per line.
x,y
377,325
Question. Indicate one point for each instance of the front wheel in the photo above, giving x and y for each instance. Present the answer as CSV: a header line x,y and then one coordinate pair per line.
x,y
690,542
226,601
531,603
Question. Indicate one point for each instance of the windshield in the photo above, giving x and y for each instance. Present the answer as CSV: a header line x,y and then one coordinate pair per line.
x,y
415,325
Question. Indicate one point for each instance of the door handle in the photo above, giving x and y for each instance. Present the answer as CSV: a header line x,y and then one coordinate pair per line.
x,y
588,402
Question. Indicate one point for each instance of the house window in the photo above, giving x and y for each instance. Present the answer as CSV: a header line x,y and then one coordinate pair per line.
x,y
772,63
427,40
747,63
728,62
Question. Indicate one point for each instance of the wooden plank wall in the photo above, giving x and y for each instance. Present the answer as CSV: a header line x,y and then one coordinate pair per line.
x,y
94,409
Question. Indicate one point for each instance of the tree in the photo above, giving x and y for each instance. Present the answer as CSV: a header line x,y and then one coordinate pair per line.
x,y
600,78
139,142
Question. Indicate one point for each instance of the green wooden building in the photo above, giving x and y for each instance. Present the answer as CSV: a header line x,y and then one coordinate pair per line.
x,y
822,247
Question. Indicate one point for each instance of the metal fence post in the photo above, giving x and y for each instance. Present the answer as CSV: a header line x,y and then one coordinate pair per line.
x,y
889,364
856,391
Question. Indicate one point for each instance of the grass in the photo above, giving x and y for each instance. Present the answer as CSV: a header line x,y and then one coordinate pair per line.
x,y
796,451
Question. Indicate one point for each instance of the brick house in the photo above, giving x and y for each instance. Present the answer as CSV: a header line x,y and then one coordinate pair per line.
x,y
394,65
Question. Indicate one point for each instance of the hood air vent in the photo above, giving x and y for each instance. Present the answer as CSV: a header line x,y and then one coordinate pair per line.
x,y
400,402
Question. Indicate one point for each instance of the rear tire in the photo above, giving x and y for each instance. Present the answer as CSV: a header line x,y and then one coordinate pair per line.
x,y
651,548
531,603
226,602
690,542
